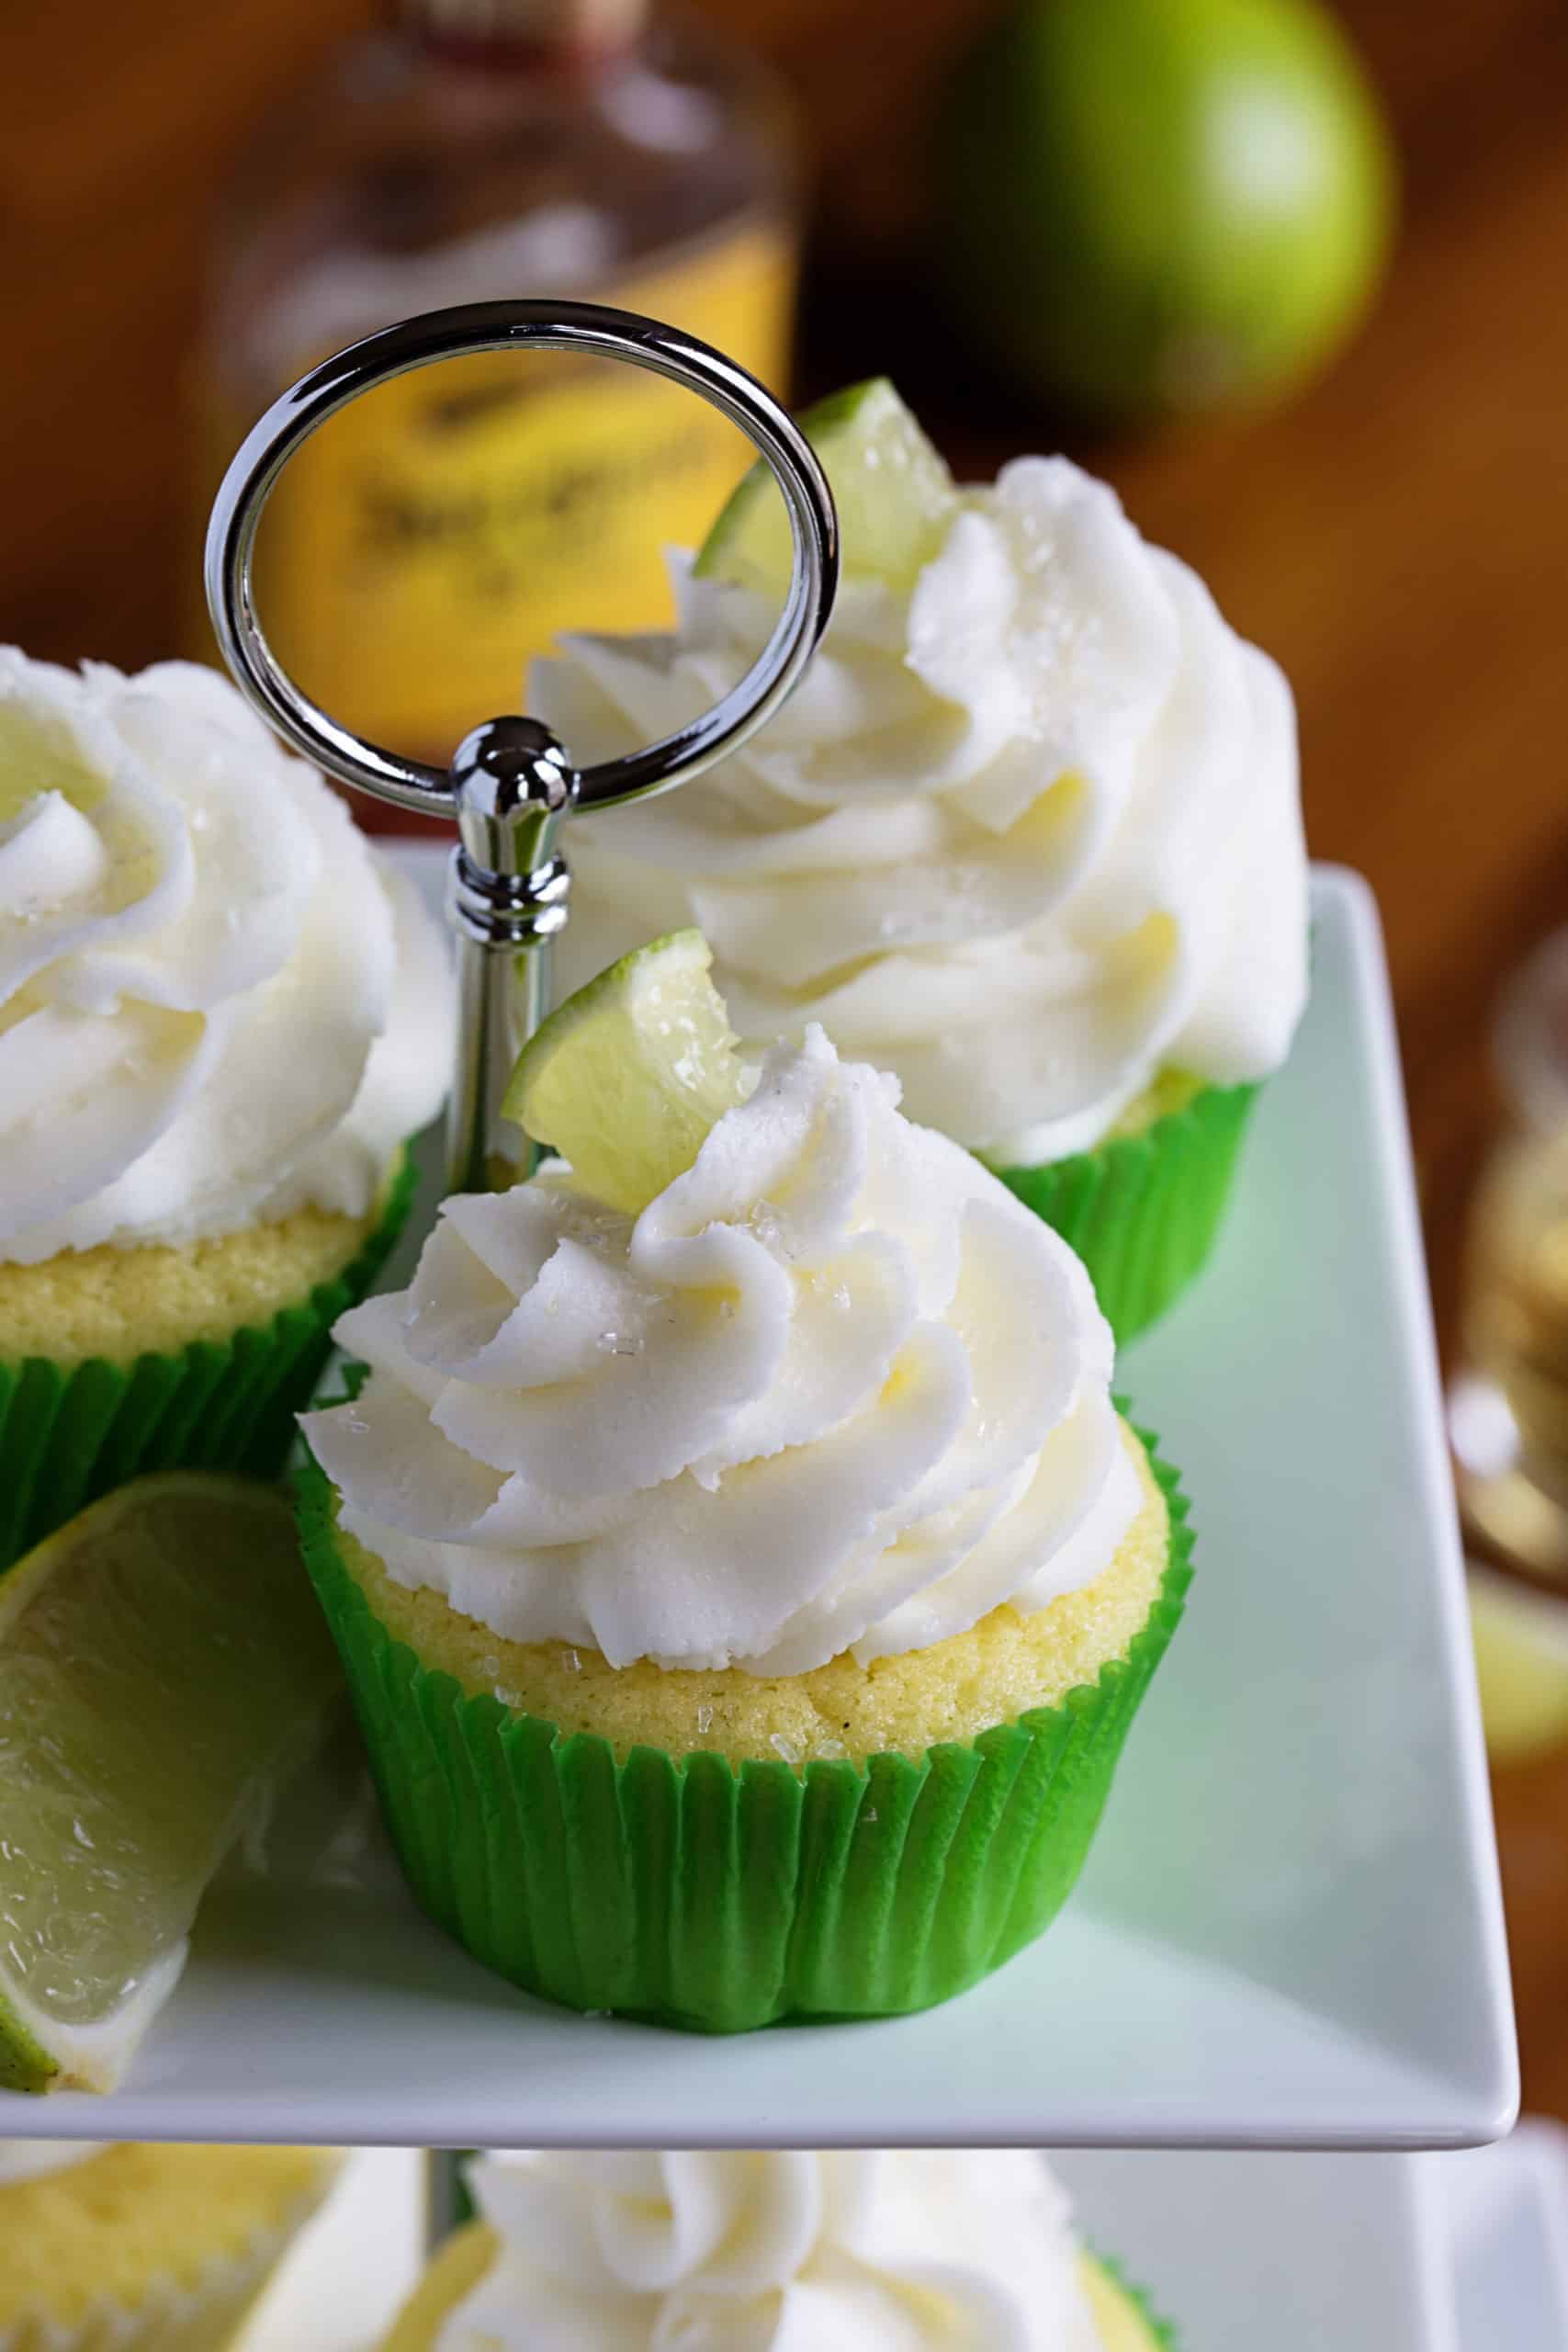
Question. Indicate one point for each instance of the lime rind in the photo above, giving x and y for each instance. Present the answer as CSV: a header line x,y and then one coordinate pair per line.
x,y
40,2053
893,493
627,1078
162,1668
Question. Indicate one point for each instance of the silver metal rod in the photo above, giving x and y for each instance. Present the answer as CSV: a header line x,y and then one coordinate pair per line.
x,y
510,785
513,786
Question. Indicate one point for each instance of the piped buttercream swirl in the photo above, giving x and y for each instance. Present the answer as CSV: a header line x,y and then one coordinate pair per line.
x,y
1027,835
907,2251
218,1004
833,1389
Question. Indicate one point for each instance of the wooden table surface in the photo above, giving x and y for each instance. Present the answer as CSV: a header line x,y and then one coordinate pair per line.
x,y
1398,536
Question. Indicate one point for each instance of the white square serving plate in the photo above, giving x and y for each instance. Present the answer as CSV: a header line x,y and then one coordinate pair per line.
x,y
1460,2253
1246,2253
1288,1933
1505,2214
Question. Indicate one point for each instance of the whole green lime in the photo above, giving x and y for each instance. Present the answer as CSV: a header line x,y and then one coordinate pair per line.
x,y
1157,205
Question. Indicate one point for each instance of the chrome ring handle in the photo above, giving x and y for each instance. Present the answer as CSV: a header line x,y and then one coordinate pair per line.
x,y
588,329
510,785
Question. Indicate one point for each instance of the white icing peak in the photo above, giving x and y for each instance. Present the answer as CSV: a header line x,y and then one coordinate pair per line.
x,y
217,1005
1024,835
913,2251
834,1388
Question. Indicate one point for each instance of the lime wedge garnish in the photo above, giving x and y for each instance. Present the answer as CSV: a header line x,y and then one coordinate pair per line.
x,y
894,494
625,1078
1522,1664
163,1664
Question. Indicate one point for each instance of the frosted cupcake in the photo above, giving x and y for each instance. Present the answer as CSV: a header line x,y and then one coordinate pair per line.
x,y
220,1018
742,1572
1028,834
145,2249
867,2251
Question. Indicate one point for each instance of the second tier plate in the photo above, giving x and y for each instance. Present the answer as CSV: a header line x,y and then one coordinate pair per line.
x,y
1289,1934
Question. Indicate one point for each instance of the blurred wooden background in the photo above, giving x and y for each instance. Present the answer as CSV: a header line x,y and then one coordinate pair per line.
x,y
1398,537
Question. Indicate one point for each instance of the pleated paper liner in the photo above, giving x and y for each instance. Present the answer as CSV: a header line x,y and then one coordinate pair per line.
x,y
1142,1211
1157,2334
70,1434
167,2314
690,1892
206,2317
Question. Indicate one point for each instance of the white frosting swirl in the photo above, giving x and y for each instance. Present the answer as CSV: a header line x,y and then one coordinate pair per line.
x,y
217,1005
1025,835
870,2251
834,1388
31,2159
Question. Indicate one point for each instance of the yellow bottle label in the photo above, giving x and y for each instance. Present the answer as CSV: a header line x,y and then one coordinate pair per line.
x,y
433,537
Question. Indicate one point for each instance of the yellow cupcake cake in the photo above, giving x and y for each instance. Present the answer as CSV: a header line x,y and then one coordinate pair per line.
x,y
124,2248
892,2251
994,1671
221,1017
742,1572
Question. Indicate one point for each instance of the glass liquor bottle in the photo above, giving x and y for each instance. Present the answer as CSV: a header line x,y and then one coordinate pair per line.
x,y
1508,1404
432,539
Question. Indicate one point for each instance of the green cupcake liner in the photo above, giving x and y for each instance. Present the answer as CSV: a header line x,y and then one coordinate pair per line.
x,y
693,1893
1161,2331
1143,1211
69,1434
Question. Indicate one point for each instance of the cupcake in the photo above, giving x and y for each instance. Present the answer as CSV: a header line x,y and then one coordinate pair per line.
x,y
145,2249
744,1594
909,2250
1028,834
221,1017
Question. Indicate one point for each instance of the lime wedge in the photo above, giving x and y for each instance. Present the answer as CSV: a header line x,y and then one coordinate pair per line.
x,y
894,494
162,1664
628,1076
1522,1664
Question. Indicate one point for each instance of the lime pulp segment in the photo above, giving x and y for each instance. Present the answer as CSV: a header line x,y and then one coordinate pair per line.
x,y
162,1664
625,1078
894,494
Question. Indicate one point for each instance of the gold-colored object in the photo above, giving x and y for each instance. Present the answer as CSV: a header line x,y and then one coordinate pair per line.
x,y
1508,1405
433,538
1520,1635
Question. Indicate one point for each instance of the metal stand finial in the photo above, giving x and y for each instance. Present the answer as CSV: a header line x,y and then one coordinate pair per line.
x,y
510,785
513,786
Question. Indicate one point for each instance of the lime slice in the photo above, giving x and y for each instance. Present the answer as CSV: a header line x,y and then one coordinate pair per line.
x,y
628,1076
1522,1664
163,1664
894,494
